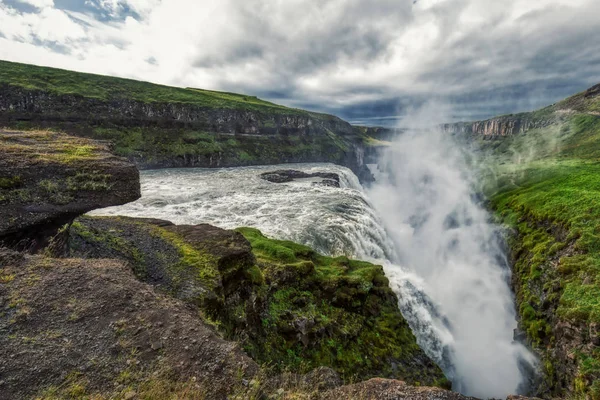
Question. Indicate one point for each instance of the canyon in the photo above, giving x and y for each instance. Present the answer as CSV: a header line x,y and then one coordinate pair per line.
x,y
148,307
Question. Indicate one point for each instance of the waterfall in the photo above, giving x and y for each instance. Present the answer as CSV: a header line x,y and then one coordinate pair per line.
x,y
442,234
420,222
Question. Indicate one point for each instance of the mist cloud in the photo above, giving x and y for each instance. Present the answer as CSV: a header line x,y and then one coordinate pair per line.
x,y
356,58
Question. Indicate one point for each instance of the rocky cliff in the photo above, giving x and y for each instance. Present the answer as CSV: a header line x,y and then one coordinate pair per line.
x,y
159,126
586,102
500,126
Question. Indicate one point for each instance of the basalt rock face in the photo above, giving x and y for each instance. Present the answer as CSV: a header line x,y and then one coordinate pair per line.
x,y
500,126
165,134
22,104
507,125
48,179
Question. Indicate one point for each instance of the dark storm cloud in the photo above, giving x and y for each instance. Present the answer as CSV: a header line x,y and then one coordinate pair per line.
x,y
297,41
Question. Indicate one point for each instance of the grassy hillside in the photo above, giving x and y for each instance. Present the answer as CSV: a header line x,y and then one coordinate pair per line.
x,y
159,126
545,185
101,87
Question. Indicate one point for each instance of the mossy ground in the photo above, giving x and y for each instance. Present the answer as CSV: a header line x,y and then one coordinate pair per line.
x,y
343,310
49,146
168,260
545,184
72,160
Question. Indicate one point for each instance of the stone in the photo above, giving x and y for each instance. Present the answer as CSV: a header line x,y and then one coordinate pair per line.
x,y
289,175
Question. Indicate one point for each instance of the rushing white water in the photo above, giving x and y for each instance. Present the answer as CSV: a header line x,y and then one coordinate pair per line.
x,y
452,286
443,234
336,221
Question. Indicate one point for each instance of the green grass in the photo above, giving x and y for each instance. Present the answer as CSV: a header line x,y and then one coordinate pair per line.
x,y
545,185
10,182
101,87
352,319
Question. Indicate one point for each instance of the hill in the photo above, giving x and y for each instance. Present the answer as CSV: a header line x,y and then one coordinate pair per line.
x,y
160,126
541,174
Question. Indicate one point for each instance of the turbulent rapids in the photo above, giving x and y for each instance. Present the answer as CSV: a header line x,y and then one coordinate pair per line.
x,y
336,221
446,315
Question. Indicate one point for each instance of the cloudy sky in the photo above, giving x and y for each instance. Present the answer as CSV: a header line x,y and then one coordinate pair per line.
x,y
365,60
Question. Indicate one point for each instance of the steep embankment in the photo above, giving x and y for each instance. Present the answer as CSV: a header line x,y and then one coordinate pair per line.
x,y
542,180
514,124
159,126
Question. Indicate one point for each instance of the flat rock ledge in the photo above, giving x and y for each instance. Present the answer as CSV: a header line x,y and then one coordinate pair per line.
x,y
48,178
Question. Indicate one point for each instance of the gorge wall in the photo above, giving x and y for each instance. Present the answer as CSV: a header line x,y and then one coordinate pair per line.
x,y
158,126
507,125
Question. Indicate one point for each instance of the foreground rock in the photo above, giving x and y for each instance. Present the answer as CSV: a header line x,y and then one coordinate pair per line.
x,y
47,179
376,389
74,328
71,328
290,308
289,175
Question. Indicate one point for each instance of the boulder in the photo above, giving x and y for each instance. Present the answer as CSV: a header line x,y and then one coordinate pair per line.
x,y
289,175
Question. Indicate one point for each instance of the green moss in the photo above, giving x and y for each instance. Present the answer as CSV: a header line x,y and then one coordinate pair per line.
x,y
329,311
112,240
10,182
202,263
53,192
92,181
74,153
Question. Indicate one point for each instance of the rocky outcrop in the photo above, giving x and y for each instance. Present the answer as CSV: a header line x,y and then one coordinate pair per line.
x,y
47,179
289,175
290,307
586,102
72,328
377,388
